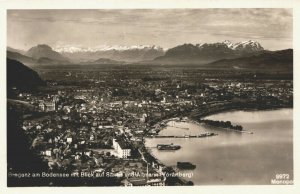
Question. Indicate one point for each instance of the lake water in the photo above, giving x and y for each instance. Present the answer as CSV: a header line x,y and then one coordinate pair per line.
x,y
231,157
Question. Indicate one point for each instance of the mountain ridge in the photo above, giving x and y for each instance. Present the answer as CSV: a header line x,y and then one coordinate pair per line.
x,y
215,54
76,49
28,61
281,60
209,52
120,53
45,51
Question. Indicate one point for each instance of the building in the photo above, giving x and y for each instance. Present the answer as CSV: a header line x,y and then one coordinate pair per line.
x,y
48,153
47,106
122,148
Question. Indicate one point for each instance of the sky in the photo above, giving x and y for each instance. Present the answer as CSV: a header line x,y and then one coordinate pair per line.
x,y
272,28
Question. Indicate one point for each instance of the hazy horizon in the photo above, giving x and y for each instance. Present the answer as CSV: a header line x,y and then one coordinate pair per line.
x,y
166,28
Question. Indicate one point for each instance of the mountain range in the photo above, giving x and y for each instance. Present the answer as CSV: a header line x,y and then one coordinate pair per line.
x,y
117,53
38,55
241,54
206,53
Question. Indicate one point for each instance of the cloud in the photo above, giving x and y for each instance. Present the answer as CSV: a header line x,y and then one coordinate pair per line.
x,y
143,25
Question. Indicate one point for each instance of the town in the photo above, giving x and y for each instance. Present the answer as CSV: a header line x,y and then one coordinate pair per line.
x,y
95,120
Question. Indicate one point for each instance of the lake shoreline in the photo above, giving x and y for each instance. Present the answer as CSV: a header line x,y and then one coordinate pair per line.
x,y
194,121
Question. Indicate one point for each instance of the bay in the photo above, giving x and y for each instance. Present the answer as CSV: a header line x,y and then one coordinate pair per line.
x,y
233,158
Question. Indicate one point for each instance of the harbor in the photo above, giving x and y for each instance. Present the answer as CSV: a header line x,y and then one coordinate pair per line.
x,y
219,151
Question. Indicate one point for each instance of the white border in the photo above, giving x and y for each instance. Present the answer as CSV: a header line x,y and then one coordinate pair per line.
x,y
155,4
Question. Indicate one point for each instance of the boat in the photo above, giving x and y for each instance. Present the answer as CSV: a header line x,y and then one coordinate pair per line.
x,y
207,134
186,165
168,147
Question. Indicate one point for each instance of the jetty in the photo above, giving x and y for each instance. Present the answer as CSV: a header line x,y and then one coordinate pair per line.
x,y
185,136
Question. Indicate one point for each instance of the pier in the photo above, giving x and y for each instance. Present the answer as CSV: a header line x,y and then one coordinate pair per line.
x,y
185,136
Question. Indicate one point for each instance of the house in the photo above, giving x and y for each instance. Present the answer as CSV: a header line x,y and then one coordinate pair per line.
x,y
47,106
48,153
69,139
122,148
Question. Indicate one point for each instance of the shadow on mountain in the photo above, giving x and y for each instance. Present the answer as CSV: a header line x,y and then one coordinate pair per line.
x,y
271,61
21,77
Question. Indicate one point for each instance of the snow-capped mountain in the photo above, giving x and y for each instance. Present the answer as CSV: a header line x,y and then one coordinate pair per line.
x,y
115,52
228,43
209,52
247,46
186,53
75,49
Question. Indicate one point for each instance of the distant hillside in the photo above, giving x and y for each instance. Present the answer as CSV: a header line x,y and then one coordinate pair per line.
x,y
15,50
206,53
105,61
45,51
38,55
48,61
271,61
28,61
21,76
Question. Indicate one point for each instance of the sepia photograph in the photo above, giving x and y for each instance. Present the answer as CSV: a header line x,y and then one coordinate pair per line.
x,y
149,97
